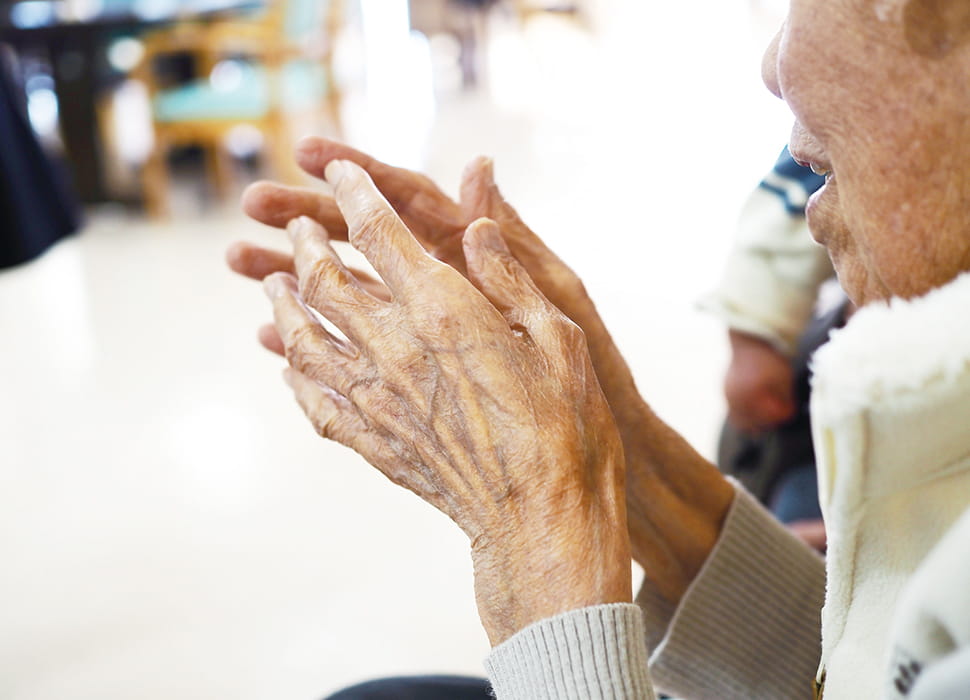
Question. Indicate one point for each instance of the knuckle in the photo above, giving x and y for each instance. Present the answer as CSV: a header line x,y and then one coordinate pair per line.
x,y
324,276
373,223
330,425
439,321
568,332
301,342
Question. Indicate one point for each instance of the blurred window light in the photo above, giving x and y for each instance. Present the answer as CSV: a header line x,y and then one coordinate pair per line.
x,y
82,10
39,81
32,13
398,85
227,75
387,29
131,122
244,141
155,9
125,53
42,111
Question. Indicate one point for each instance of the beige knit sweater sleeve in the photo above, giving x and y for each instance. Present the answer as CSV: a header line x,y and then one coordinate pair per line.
x,y
748,627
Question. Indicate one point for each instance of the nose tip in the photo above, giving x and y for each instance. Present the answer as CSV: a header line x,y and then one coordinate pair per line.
x,y
769,66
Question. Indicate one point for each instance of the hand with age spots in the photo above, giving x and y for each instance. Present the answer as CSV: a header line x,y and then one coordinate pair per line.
x,y
477,394
676,500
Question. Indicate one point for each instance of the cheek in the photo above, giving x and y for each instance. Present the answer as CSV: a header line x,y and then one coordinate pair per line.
x,y
901,235
830,66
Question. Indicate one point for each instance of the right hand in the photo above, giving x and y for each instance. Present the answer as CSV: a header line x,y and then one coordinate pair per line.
x,y
758,385
477,394
676,500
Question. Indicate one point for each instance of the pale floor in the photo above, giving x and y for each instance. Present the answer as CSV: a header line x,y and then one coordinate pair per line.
x,y
170,527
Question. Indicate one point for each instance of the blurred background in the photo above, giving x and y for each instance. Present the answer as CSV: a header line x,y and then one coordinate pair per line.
x,y
170,526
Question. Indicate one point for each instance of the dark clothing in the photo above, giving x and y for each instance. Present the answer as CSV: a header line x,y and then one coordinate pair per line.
x,y
778,467
419,688
36,207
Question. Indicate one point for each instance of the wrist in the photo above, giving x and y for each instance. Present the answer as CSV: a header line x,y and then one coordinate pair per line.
x,y
521,587
676,504
553,556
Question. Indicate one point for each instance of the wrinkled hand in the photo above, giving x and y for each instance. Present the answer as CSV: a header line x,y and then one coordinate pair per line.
x,y
438,223
480,399
676,500
758,385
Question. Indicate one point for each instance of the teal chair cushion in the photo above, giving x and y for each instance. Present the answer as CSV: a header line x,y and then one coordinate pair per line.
x,y
248,95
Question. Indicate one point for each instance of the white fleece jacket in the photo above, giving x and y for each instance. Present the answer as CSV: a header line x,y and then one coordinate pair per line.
x,y
892,428
891,424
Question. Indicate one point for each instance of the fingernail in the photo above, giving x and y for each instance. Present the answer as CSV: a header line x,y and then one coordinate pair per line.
x,y
293,228
273,286
297,226
489,236
335,171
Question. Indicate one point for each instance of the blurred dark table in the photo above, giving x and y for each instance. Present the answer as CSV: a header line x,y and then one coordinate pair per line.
x,y
76,50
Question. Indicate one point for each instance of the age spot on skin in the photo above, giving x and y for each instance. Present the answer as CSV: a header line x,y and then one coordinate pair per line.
x,y
934,28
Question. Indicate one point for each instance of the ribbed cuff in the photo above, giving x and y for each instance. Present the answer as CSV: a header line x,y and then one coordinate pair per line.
x,y
749,624
594,653
657,613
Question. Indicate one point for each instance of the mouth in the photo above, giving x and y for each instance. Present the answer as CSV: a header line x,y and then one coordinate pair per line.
x,y
815,162
819,221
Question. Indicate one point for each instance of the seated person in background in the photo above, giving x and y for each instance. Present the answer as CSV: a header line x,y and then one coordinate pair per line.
x,y
767,296
471,384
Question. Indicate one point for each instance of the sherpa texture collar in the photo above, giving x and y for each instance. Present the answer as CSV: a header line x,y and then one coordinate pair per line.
x,y
894,348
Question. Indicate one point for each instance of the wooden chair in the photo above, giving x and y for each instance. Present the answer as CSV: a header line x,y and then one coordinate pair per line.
x,y
282,65
527,9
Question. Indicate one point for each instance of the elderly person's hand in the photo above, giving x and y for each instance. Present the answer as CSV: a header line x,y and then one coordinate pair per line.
x,y
759,384
676,500
477,394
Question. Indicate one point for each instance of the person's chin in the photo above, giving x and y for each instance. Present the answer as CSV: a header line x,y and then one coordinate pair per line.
x,y
856,280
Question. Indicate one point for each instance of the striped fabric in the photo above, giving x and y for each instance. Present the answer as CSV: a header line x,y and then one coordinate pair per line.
x,y
792,182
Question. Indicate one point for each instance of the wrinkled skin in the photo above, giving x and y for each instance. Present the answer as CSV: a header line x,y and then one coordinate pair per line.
x,y
481,401
676,500
878,90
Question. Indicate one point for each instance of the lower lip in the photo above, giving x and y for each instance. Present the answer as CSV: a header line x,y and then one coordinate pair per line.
x,y
811,211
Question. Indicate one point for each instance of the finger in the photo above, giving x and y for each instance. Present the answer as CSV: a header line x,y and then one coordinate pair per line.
x,y
314,153
270,339
481,197
276,205
332,414
374,286
336,418
375,229
498,275
507,285
434,216
309,347
256,262
326,283
476,191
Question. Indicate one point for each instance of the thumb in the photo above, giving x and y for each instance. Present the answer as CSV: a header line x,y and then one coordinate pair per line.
x,y
477,183
498,275
480,197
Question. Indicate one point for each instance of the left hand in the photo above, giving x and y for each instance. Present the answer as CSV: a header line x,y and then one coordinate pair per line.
x,y
476,394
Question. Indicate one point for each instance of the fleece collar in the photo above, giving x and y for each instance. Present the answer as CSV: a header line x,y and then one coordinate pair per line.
x,y
896,348
891,396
